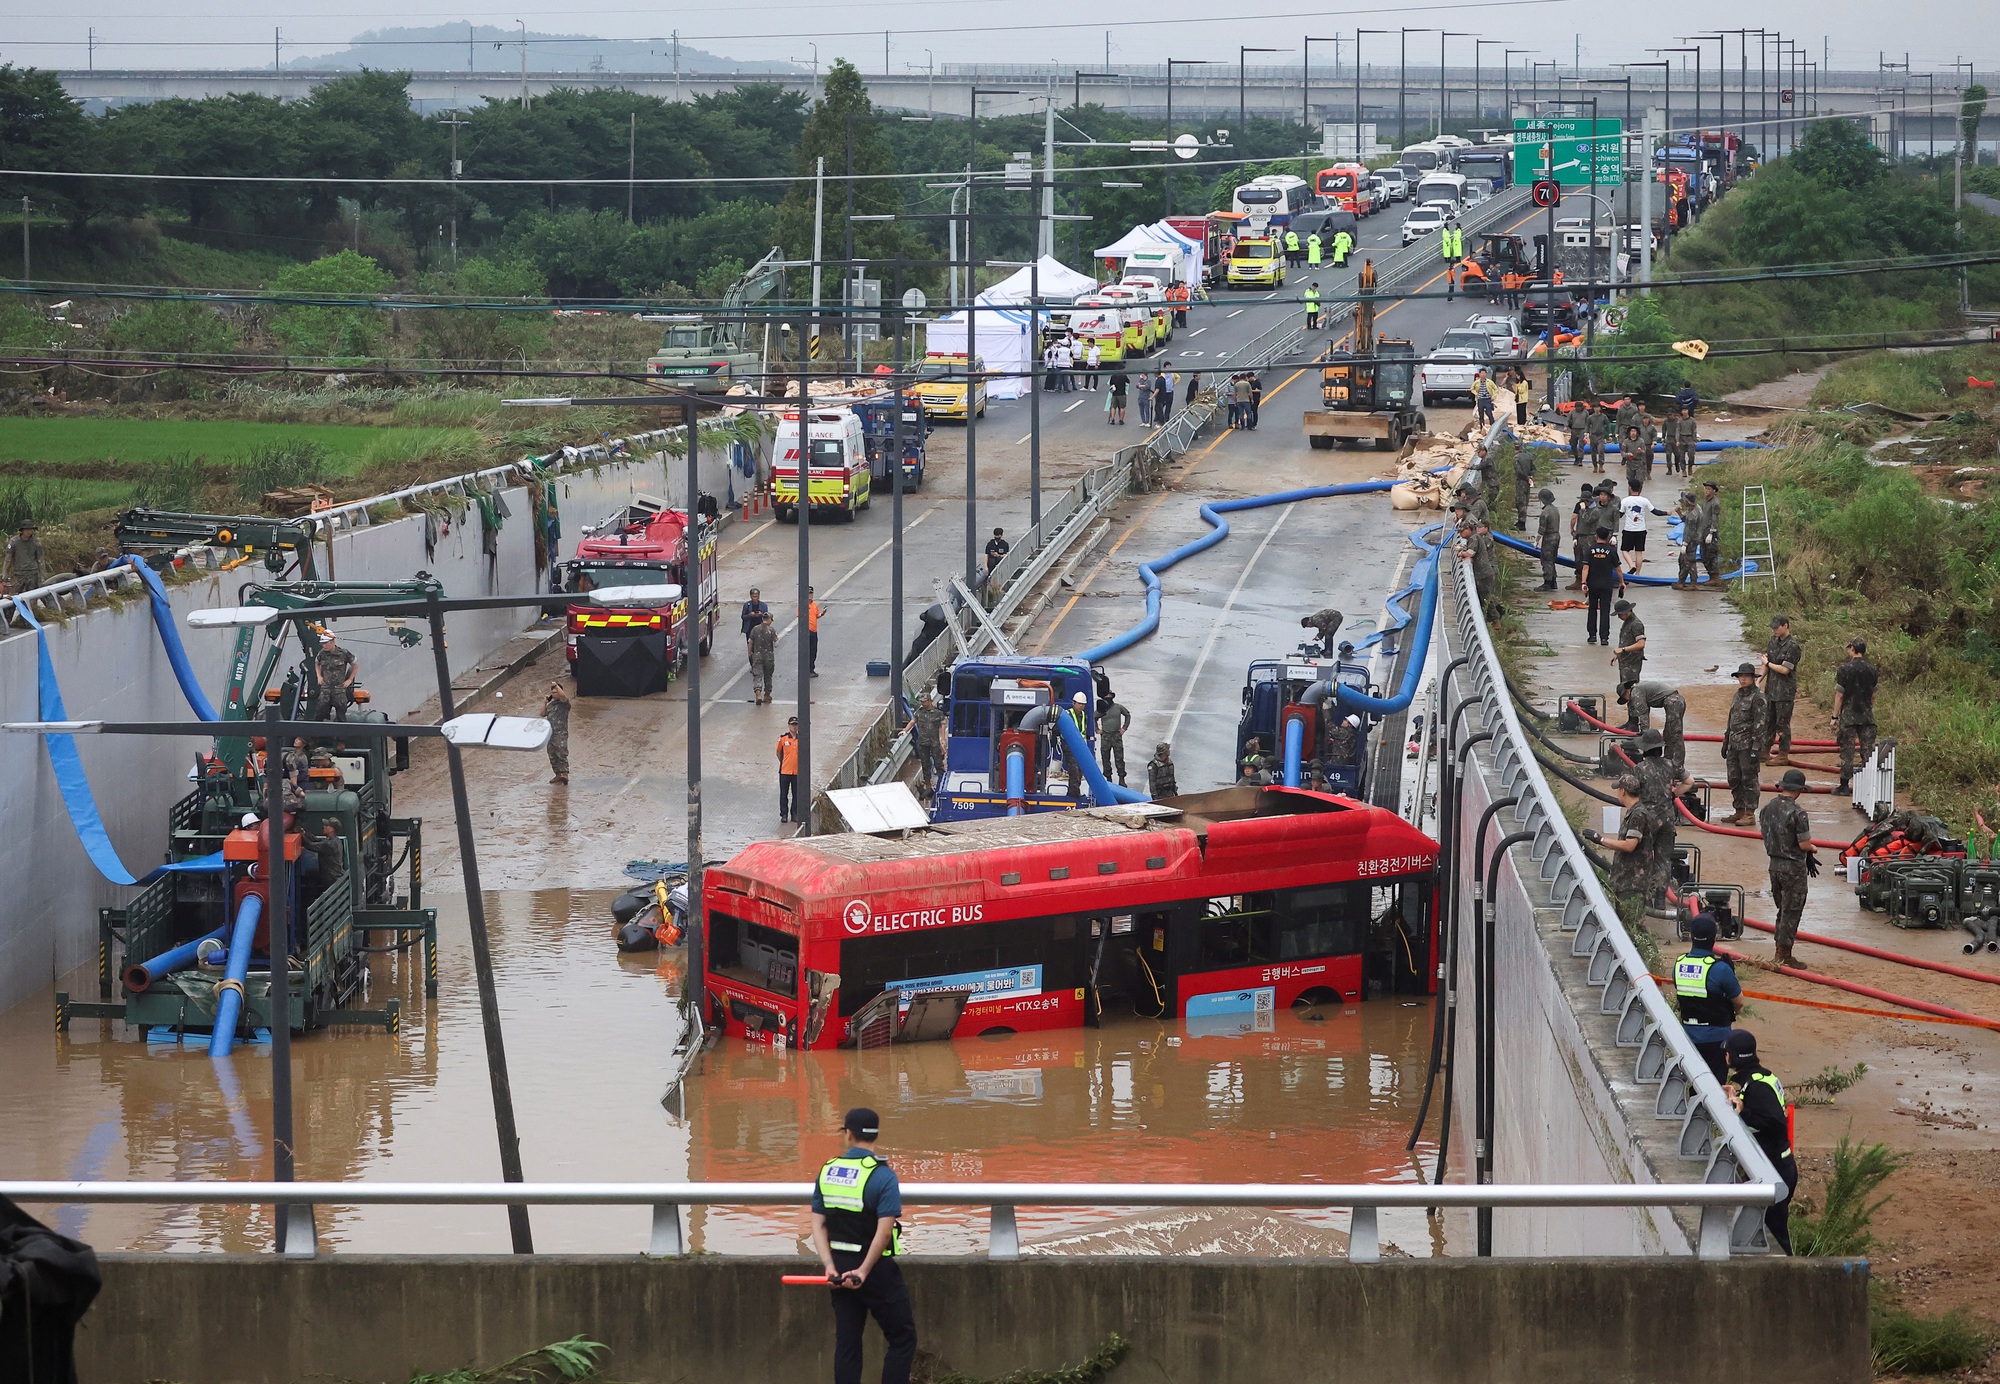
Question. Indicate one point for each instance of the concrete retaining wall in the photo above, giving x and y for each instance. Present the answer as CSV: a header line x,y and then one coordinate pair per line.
x,y
110,664
229,1319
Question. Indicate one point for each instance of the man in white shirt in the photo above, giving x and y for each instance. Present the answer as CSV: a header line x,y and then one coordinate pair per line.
x,y
1092,358
1637,511
1064,360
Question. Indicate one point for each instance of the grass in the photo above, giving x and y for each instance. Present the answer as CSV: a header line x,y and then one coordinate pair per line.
x,y
348,447
1903,1342
574,1359
1914,382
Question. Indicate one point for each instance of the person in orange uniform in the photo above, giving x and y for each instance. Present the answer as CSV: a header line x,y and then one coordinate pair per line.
x,y
812,633
788,772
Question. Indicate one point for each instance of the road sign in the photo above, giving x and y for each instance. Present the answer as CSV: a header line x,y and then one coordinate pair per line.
x,y
1785,97
1186,146
1547,193
1577,149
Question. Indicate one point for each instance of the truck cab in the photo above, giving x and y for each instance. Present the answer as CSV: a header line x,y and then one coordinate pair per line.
x,y
985,702
840,481
631,651
699,356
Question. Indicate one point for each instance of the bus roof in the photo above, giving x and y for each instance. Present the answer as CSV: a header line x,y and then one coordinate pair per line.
x,y
1196,842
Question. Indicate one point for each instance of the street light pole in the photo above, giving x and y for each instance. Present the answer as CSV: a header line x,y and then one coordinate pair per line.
x,y
1172,63
1305,110
691,578
803,782
1403,88
1242,110
1507,78
1478,105
1357,88
1443,98
973,375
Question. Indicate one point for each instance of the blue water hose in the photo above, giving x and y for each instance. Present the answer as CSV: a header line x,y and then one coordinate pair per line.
x,y
1295,737
229,1001
1522,545
1658,447
141,976
1017,780
1081,760
170,640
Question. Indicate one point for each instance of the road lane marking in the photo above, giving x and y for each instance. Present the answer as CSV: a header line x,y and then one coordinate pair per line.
x,y
1077,405
1025,436
754,532
1238,313
1222,618
1196,332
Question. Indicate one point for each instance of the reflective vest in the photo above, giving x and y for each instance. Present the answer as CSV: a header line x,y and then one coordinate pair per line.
x,y
1342,243
1783,1104
1292,241
842,1185
1312,300
1451,244
1691,986
1081,720
1312,248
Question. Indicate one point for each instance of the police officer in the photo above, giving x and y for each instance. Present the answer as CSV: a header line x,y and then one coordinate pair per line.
x,y
555,710
1787,832
1781,684
1113,720
1161,779
855,1206
1293,253
1709,994
1743,742
1854,710
1760,1100
335,669
1312,306
1326,624
1312,250
1632,859
1343,246
1451,245
1548,534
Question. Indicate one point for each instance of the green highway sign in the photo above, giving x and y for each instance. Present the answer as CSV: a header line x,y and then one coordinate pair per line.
x,y
1578,148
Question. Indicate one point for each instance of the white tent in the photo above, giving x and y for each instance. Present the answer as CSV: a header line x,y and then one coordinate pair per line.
x,y
1158,236
1003,345
1058,283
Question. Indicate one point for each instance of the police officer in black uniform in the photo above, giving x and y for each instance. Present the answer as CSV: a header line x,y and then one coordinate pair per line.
x,y
1760,1100
855,1207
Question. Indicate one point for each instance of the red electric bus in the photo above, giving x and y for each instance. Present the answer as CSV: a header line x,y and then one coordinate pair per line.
x,y
1213,908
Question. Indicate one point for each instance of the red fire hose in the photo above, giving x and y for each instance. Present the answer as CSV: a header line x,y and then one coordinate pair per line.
x,y
1745,832
1870,992
1880,955
1710,739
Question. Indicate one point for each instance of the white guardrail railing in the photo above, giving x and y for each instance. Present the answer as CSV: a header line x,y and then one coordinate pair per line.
x,y
1685,1090
667,1199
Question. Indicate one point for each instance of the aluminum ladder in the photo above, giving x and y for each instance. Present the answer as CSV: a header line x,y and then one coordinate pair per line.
x,y
1760,558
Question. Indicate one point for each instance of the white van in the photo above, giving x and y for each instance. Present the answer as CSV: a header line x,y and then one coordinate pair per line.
x,y
1441,187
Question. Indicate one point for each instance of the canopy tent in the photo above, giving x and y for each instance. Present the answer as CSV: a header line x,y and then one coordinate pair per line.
x,y
1003,344
1158,236
1058,283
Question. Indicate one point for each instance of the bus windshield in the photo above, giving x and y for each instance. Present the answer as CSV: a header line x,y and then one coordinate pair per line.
x,y
1258,196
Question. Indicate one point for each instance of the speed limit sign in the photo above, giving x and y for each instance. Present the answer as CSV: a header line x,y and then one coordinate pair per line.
x,y
1546,193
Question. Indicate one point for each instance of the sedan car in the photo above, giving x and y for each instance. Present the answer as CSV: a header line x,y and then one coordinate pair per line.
x,y
1393,179
1502,330
1422,222
1449,373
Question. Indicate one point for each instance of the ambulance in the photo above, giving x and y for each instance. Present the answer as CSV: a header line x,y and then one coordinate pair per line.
x,y
840,479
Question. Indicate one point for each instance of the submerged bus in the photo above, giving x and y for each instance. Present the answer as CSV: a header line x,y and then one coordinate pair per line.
x,y
1213,909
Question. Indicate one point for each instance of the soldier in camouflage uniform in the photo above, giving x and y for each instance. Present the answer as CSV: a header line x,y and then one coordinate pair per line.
x,y
1781,684
1485,567
1597,426
1325,624
1659,779
1524,478
1579,431
1854,710
1632,864
1692,520
1743,742
555,710
1113,720
1548,534
925,728
1629,653
1787,835
334,668
1161,780
1711,529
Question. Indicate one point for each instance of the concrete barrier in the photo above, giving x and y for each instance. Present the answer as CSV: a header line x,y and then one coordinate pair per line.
x,y
1658,1320
110,664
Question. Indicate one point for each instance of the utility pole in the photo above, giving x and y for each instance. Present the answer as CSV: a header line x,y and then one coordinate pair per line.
x,y
456,169
819,228
90,50
27,267
524,62
631,171
677,67
1045,243
277,66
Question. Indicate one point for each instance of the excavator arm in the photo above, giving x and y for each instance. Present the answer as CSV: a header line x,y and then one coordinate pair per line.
x,y
279,541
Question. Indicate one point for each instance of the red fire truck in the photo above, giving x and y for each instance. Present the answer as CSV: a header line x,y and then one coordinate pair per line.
x,y
1216,234
630,651
1216,909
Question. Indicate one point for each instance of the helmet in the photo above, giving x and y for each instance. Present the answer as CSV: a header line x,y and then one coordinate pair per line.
x,y
1077,699
1548,497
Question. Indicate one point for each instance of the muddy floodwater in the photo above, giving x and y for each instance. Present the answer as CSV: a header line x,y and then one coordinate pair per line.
x,y
1323,1096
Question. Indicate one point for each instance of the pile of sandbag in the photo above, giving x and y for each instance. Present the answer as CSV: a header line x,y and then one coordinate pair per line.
x,y
1542,432
1428,472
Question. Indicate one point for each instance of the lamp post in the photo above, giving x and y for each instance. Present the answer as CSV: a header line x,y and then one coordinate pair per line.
x,y
1478,105
1357,87
1305,108
1242,110
1697,88
972,375
1535,75
1507,76
1403,88
1721,96
1646,176
1443,100
1172,63
1624,176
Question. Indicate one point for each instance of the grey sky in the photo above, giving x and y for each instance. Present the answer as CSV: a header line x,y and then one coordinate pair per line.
x,y
1850,32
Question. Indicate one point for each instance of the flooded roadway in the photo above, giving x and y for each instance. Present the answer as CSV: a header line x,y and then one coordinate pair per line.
x,y
1325,1096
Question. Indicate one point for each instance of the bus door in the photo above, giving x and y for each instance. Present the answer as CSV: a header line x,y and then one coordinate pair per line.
x,y
1126,963
753,971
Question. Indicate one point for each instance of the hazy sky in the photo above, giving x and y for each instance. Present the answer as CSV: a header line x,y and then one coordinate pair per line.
x,y
1059,32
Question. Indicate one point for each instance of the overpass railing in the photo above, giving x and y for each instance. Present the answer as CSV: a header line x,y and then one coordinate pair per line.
x,y
667,1200
1711,1133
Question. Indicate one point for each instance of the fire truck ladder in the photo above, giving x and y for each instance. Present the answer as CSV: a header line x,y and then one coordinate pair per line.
x,y
1760,558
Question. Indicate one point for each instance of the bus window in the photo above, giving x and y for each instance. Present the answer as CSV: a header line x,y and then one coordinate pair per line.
x,y
754,954
1326,921
993,959
1225,936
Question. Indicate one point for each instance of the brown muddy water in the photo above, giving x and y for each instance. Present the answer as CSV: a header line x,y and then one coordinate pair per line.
x,y
1325,1096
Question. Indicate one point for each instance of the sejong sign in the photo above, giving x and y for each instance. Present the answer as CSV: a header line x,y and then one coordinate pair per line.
x,y
1582,156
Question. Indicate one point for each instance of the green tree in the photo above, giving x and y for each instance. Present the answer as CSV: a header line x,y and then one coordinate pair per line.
x,y
327,329
843,106
1646,332
1969,115
475,337
1836,154
41,130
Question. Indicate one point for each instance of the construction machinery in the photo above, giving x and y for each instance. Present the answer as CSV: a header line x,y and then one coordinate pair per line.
x,y
880,431
192,947
707,355
1302,731
1369,391
159,535
633,650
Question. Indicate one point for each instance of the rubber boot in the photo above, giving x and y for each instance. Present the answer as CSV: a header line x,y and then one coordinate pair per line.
x,y
1846,785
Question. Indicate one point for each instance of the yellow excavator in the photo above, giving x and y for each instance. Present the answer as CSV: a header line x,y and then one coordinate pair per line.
x,y
1368,392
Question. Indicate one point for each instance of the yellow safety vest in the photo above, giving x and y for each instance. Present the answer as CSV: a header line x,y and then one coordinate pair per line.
x,y
842,1184
1292,241
1784,1106
1691,976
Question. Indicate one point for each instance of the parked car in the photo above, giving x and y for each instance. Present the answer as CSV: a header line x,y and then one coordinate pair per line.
x,y
1502,329
1378,189
1422,222
1543,308
1473,339
1449,373
1395,180
1477,191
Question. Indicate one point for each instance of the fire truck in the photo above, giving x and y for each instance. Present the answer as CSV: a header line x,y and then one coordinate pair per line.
x,y
1216,234
634,650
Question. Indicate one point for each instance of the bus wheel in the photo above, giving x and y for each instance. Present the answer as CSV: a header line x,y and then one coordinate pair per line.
x,y
997,1031
1318,995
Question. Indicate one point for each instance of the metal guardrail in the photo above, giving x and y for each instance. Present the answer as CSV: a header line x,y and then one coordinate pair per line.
x,y
668,1237
1711,1132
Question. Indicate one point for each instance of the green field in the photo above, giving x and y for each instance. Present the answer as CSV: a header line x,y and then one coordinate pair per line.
x,y
349,447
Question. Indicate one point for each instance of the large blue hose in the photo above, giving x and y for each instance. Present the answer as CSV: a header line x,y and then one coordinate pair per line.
x,y
1017,780
229,1007
170,640
1295,737
1425,576
1661,447
1081,760
173,959
1522,545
